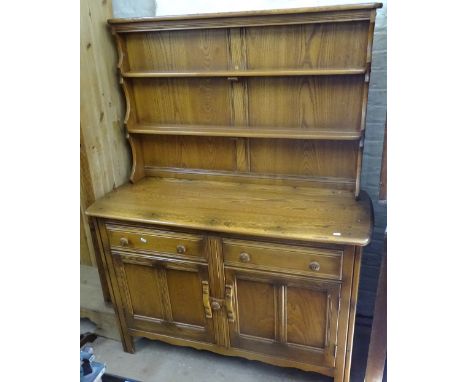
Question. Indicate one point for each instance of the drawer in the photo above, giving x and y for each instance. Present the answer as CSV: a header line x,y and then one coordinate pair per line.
x,y
317,262
162,242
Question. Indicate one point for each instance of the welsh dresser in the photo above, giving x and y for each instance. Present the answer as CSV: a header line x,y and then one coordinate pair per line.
x,y
241,229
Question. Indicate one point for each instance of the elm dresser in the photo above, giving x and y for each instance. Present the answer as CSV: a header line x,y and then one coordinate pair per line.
x,y
242,227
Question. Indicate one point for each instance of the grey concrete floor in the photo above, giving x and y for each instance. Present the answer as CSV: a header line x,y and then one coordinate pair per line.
x,y
155,361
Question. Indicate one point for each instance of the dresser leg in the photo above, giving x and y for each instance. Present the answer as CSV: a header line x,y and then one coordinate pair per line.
x,y
128,343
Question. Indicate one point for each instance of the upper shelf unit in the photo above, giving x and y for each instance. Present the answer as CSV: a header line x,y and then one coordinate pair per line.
x,y
292,85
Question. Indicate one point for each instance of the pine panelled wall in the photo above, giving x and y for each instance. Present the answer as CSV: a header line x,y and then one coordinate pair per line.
x,y
104,151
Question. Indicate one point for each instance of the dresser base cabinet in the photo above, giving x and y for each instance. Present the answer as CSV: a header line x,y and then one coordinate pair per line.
x,y
285,304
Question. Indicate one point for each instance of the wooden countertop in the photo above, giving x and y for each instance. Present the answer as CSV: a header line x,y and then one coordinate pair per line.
x,y
282,212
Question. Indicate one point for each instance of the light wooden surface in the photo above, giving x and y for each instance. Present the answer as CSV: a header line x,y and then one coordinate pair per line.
x,y
251,132
321,215
105,160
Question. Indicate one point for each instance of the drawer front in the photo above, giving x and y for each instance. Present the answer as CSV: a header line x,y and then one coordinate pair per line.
x,y
317,262
162,242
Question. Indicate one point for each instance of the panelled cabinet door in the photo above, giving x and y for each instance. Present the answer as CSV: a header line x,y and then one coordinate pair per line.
x,y
293,318
164,296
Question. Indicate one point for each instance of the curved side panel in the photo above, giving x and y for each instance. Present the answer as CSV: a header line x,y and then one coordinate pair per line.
x,y
137,171
137,155
121,65
128,106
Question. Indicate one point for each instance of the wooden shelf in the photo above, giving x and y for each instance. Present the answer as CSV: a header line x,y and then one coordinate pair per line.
x,y
245,73
245,132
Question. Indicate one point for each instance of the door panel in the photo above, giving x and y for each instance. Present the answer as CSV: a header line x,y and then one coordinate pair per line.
x,y
256,308
185,296
144,293
306,317
288,317
163,296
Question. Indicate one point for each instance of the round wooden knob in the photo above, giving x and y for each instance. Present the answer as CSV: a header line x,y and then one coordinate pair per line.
x,y
314,266
123,241
215,305
180,249
244,257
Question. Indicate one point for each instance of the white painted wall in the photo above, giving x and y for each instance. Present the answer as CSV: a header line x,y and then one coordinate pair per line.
x,y
141,8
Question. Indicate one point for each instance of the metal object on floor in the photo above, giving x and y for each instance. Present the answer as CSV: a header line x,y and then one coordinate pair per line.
x,y
90,371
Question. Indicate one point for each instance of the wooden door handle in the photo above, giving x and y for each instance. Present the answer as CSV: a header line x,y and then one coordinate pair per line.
x,y
229,291
206,299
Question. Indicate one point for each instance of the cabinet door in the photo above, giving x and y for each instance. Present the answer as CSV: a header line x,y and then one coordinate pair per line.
x,y
292,317
164,296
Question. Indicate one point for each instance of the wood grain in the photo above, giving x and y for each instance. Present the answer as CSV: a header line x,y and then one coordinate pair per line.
x,y
243,73
307,46
269,211
203,50
217,280
304,157
193,100
325,102
212,153
284,259
245,131
306,317
104,155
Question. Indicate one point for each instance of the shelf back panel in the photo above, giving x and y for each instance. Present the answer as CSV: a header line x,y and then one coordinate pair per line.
x,y
307,46
171,51
191,101
328,159
321,103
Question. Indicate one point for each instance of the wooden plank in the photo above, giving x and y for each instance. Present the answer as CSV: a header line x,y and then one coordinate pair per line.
x,y
352,312
377,355
247,73
104,157
245,177
87,255
101,112
252,209
250,132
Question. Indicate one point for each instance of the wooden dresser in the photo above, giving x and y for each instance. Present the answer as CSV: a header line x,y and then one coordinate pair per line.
x,y
242,229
